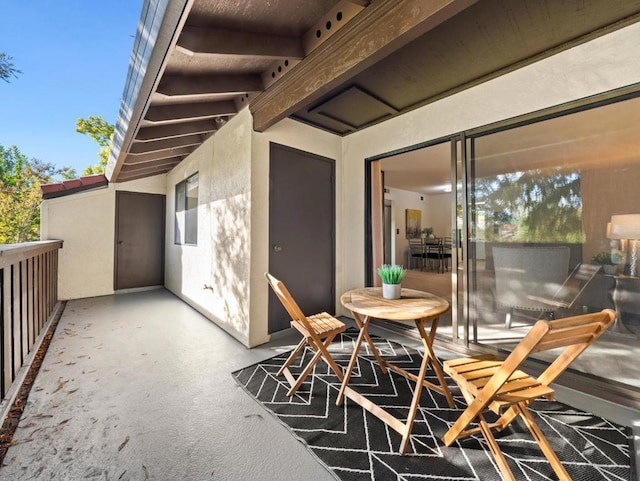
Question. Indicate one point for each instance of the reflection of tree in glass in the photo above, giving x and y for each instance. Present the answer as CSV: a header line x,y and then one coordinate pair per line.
x,y
533,206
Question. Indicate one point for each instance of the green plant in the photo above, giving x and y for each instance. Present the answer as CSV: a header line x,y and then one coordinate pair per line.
x,y
603,258
391,273
427,231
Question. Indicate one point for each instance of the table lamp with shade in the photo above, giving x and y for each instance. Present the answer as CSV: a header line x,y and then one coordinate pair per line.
x,y
626,227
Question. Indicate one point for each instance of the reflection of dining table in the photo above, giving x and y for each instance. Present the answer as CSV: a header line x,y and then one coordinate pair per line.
x,y
418,306
437,249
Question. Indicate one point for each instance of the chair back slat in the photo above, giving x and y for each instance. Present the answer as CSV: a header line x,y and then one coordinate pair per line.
x,y
289,303
285,297
574,330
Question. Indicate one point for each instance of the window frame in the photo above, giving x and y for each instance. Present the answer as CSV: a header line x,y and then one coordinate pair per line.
x,y
185,229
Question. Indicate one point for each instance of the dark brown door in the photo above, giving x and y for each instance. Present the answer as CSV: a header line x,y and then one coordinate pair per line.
x,y
139,247
301,231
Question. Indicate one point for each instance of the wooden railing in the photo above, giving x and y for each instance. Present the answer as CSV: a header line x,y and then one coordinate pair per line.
x,y
28,295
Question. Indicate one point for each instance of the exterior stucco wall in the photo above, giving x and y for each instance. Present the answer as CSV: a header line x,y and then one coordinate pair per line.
x,y
213,276
598,66
222,276
86,223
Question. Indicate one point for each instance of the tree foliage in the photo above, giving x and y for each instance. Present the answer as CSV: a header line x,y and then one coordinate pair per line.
x,y
20,181
101,131
7,69
533,206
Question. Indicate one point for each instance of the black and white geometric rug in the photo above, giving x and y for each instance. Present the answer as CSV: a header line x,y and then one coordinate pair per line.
x,y
355,445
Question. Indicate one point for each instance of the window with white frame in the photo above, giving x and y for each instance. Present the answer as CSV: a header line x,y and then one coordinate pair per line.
x,y
186,220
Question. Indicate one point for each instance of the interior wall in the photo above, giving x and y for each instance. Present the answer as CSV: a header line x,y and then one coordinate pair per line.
x,y
606,192
403,200
603,64
438,214
86,223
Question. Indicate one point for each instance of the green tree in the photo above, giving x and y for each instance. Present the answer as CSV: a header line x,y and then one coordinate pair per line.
x,y
68,173
7,69
533,206
101,131
20,181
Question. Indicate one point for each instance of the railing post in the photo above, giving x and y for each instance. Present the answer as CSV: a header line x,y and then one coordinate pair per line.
x,y
6,329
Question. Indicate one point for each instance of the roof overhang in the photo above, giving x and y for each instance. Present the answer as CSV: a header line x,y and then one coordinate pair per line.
x,y
339,65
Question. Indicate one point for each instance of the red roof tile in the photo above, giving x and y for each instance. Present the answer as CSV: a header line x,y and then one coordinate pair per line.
x,y
68,187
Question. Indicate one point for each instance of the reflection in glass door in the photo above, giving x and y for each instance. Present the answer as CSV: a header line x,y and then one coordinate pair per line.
x,y
542,198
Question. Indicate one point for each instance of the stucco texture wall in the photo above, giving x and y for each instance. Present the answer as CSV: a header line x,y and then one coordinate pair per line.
x,y
86,223
213,276
222,276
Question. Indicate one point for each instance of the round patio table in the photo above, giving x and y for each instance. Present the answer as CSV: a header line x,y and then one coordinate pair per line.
x,y
418,306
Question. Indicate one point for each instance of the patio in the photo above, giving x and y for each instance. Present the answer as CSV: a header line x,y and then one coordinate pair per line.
x,y
138,386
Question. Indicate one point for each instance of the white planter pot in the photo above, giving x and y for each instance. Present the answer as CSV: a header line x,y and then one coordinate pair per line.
x,y
391,291
609,269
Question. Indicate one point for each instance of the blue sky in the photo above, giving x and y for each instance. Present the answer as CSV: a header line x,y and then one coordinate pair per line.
x,y
74,56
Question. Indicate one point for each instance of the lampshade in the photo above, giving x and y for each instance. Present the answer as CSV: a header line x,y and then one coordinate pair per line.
x,y
625,226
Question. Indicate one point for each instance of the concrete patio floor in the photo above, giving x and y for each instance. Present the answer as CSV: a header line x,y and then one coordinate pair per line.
x,y
138,387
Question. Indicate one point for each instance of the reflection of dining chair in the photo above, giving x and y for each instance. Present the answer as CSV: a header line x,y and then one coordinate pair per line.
x,y
318,331
527,275
446,253
433,252
489,384
416,252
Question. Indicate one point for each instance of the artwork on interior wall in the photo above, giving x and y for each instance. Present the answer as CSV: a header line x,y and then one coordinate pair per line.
x,y
414,220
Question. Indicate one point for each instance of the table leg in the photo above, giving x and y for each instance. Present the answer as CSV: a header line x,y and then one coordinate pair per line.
x,y
430,357
352,362
415,402
363,326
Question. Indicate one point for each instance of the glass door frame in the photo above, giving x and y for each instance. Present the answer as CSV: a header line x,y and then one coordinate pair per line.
x,y
459,311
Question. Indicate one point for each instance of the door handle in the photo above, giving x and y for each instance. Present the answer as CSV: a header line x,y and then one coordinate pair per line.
x,y
277,248
120,243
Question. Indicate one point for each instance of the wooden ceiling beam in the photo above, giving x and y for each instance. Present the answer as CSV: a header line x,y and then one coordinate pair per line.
x,y
174,85
162,113
126,168
158,154
200,40
125,177
380,29
176,130
164,144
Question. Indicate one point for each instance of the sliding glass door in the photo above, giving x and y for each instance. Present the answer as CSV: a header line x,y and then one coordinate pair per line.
x,y
541,219
553,206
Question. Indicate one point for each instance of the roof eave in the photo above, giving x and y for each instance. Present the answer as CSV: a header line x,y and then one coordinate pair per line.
x,y
158,29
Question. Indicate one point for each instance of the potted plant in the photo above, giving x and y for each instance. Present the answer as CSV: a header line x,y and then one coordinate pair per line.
x,y
391,275
606,261
428,232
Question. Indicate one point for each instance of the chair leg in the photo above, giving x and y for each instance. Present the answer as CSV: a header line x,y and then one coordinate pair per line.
x,y
292,356
305,373
501,461
545,447
329,359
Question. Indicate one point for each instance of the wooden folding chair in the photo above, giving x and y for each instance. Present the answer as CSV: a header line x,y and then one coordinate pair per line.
x,y
500,386
318,331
